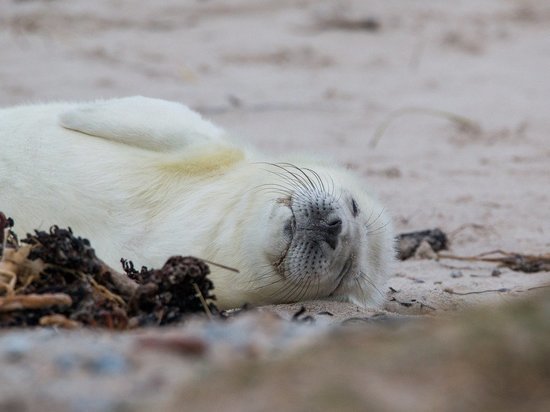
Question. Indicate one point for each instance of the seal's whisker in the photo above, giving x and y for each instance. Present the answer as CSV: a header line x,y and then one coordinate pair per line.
x,y
376,230
318,284
261,287
369,223
318,177
280,186
333,186
296,285
304,174
268,271
299,187
363,276
309,190
360,286
297,292
285,176
379,229
340,194
262,187
277,293
294,175
293,294
275,188
305,290
286,166
292,182
299,180
304,196
266,275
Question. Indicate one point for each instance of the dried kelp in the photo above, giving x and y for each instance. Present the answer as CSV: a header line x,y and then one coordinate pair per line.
x,y
55,278
165,295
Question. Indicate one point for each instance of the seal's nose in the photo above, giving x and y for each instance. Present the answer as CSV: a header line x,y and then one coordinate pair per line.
x,y
331,230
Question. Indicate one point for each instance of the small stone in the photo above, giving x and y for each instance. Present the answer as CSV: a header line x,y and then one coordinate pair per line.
x,y
107,364
66,362
496,273
456,274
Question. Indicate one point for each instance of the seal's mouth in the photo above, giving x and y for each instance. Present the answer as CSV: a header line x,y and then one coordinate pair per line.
x,y
289,230
343,274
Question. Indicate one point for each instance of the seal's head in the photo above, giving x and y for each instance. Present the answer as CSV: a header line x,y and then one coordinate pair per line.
x,y
323,237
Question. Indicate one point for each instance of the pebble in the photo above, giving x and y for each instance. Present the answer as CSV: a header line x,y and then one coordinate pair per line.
x,y
107,364
15,347
100,364
66,362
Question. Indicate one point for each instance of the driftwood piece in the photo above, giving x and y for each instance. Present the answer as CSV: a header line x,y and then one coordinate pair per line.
x,y
34,301
59,321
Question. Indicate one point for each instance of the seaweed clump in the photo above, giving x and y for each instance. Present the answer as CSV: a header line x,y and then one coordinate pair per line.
x,y
166,295
55,278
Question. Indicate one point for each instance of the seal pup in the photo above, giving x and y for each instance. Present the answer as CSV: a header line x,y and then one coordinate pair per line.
x,y
146,179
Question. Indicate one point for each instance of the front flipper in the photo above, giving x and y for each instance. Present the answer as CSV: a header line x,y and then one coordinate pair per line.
x,y
150,124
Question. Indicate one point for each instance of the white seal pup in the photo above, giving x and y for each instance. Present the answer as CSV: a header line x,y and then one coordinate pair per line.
x,y
146,179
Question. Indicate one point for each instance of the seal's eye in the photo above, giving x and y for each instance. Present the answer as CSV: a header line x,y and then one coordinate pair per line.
x,y
354,208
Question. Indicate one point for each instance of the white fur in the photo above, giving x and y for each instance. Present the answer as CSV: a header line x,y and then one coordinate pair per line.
x,y
151,124
146,179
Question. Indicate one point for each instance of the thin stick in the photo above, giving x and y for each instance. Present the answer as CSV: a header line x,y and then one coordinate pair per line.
x,y
539,287
203,301
107,292
461,121
5,239
122,282
476,292
220,265
514,261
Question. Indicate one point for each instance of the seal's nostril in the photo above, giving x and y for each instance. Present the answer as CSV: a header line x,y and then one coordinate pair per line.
x,y
335,223
332,229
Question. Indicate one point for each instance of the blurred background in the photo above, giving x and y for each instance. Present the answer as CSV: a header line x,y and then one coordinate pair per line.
x,y
442,107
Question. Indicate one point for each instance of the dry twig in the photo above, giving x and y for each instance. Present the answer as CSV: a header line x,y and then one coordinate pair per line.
x,y
514,261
